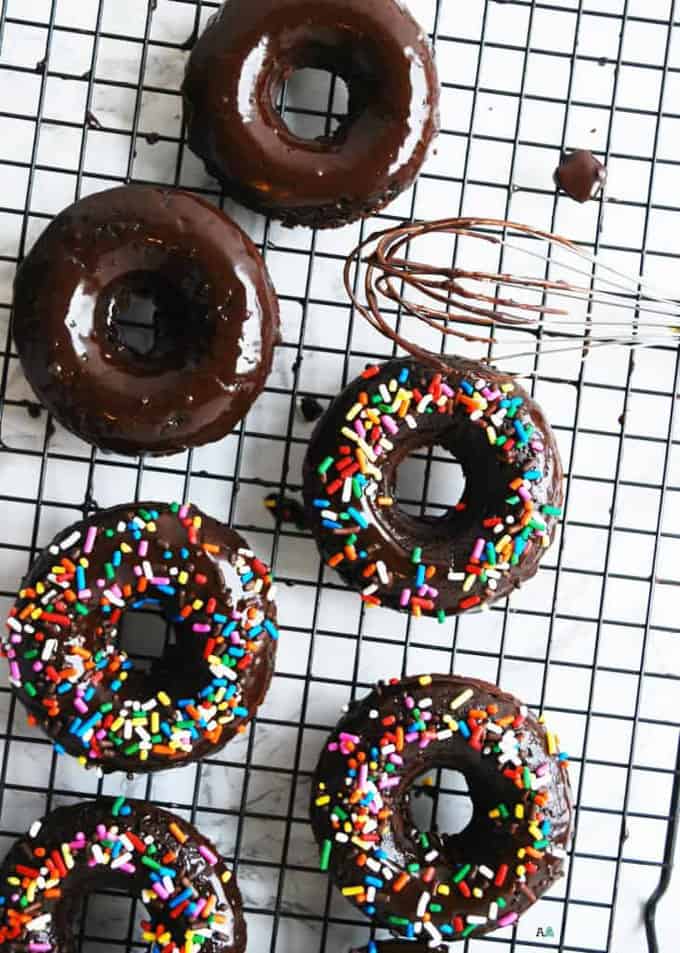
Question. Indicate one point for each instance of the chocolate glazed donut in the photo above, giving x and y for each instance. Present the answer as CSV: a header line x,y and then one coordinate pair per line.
x,y
67,665
489,542
236,70
126,264
434,886
192,898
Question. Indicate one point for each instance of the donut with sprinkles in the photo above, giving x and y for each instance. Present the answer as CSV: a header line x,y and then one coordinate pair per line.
x,y
427,885
488,542
63,640
191,895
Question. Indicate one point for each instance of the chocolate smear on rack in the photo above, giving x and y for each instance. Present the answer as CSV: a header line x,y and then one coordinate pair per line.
x,y
581,175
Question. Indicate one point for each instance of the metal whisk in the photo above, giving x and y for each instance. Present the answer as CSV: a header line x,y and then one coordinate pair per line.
x,y
553,288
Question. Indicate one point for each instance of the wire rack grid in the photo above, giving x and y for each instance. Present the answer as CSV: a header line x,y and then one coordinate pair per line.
x,y
89,98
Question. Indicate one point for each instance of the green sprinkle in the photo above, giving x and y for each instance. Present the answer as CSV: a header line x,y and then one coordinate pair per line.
x,y
325,465
325,855
551,510
105,708
417,555
413,868
117,804
81,609
398,921
148,862
468,930
505,813
541,844
436,907
174,507
109,571
441,617
132,749
31,655
338,812
109,533
30,689
462,874
501,902
526,778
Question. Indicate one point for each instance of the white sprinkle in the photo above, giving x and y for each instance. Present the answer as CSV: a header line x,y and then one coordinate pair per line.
x,y
431,855
148,571
486,872
424,403
456,576
434,933
373,713
476,415
36,827
14,624
54,550
423,902
70,540
410,422
478,921
40,923
382,572
369,590
493,911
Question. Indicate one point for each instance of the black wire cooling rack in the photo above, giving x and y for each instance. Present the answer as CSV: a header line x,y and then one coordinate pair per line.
x,y
89,97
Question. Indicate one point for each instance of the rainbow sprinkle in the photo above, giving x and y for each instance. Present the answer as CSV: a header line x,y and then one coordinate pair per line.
x,y
62,642
353,493
188,905
372,768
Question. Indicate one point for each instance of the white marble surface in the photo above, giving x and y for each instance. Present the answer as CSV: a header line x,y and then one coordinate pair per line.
x,y
592,661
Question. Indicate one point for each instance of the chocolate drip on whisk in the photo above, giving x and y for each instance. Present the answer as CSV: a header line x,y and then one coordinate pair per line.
x,y
457,301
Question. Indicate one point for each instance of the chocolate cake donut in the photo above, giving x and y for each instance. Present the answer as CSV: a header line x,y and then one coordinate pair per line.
x,y
66,662
191,896
489,542
434,886
235,73
145,320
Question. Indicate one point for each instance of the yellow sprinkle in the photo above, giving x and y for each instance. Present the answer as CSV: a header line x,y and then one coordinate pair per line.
x,y
354,411
322,785
506,388
183,577
521,853
491,435
143,754
197,604
155,722
495,813
151,527
521,870
444,889
117,725
15,881
476,892
552,747
125,547
226,876
40,588
425,680
519,811
352,891
321,801
36,613
385,501
164,698
469,582
198,521
503,542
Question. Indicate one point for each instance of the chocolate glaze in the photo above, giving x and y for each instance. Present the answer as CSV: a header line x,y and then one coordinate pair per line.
x,y
182,672
138,253
63,826
252,46
484,843
581,175
392,534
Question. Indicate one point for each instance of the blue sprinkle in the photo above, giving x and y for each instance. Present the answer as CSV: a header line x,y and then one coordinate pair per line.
x,y
64,688
60,749
464,730
468,388
229,628
80,578
271,628
240,712
522,435
236,652
358,517
184,552
180,898
168,590
254,632
167,554
185,702
532,475
246,577
330,524
374,882
218,617
75,726
322,504
116,558
115,685
420,576
403,375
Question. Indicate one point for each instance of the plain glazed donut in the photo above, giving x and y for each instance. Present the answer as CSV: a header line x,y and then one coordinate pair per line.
x,y
489,542
431,885
67,667
133,256
251,47
192,898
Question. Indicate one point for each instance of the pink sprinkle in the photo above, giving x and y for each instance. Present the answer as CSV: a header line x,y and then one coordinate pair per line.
x,y
16,639
411,736
14,671
160,890
446,390
128,868
542,769
333,746
405,597
423,743
137,570
523,494
389,424
39,947
101,832
388,782
90,539
184,510
92,862
200,627
160,580
84,593
101,583
433,592
345,736
360,429
37,666
363,776
507,919
423,591
410,702
80,705
478,548
396,758
116,590
100,734
143,548
208,855
199,906
537,445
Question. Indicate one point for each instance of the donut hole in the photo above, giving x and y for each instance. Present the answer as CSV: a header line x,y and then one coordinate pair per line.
x,y
155,319
145,634
440,802
313,103
429,484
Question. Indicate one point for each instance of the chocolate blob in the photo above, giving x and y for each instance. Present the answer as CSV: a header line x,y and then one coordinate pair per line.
x,y
237,68
145,320
580,175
